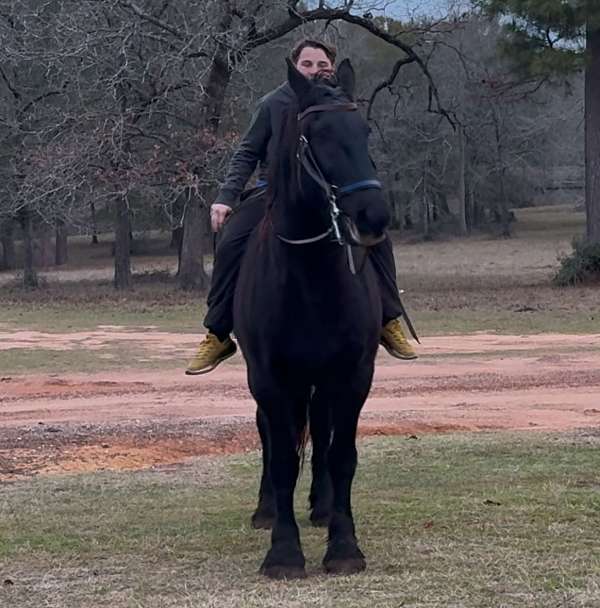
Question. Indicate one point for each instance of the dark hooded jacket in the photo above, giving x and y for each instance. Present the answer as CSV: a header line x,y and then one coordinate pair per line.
x,y
258,144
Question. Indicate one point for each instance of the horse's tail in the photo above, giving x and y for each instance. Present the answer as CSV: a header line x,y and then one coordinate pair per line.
x,y
302,442
303,427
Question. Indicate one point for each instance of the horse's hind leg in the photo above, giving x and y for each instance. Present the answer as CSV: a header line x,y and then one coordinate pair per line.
x,y
264,516
321,491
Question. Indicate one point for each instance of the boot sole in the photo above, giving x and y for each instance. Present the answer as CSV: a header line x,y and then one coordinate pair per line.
x,y
205,370
396,354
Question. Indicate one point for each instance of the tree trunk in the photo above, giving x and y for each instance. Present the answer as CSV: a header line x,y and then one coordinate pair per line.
x,y
208,236
177,243
30,278
462,194
176,238
94,224
191,268
191,271
502,206
396,209
61,249
122,278
425,201
44,245
9,254
473,219
592,134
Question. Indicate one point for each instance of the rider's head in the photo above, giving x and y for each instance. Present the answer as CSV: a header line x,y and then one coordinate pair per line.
x,y
312,57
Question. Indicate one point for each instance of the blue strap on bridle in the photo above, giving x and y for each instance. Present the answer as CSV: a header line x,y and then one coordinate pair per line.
x,y
365,184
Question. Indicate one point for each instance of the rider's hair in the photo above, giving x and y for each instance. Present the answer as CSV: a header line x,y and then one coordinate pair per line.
x,y
328,49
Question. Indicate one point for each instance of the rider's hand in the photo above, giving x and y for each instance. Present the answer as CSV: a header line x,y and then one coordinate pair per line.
x,y
218,215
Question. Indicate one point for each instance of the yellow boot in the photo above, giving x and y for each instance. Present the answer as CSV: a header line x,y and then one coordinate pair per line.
x,y
395,342
210,353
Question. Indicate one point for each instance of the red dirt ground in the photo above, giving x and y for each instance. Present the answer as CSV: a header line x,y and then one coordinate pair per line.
x,y
131,419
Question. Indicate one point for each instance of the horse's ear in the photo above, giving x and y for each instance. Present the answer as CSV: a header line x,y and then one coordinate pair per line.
x,y
299,83
346,78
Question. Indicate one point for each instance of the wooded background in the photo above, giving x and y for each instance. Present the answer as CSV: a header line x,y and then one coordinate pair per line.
x,y
120,116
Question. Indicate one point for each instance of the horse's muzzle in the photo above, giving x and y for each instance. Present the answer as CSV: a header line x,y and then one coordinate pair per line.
x,y
371,241
353,236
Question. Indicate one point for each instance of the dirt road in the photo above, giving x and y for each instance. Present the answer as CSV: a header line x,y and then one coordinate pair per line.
x,y
132,419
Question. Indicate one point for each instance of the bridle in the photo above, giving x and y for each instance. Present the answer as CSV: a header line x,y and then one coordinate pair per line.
x,y
308,162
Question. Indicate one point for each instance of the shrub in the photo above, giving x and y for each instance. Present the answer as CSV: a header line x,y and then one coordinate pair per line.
x,y
581,266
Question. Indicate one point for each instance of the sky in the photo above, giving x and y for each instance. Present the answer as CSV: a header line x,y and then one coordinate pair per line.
x,y
404,9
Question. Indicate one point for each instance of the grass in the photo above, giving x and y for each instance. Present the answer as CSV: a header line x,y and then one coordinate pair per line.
x,y
452,286
59,317
508,322
114,357
534,309
457,520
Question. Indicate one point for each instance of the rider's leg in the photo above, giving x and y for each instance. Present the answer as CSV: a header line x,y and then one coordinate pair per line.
x,y
217,345
392,334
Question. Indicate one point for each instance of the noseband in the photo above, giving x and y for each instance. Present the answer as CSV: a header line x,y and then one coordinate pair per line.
x,y
308,161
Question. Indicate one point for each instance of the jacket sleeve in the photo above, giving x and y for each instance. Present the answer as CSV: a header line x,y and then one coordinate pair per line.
x,y
252,149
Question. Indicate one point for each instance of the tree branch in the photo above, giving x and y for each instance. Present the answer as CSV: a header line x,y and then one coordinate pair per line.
x,y
386,83
14,91
320,14
39,98
133,7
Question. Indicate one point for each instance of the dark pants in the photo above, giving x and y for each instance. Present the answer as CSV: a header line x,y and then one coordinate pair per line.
x,y
228,258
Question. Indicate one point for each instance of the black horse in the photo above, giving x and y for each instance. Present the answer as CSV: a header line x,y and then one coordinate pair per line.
x,y
307,321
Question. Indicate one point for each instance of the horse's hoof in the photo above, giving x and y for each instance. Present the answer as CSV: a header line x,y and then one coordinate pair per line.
x,y
284,561
283,572
345,567
344,558
263,521
320,519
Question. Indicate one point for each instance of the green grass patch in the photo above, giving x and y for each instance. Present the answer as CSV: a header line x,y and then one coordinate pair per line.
x,y
70,317
433,314
85,305
80,360
432,323
456,520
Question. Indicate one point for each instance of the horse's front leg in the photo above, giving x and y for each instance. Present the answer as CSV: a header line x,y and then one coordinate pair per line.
x,y
285,558
343,554
264,516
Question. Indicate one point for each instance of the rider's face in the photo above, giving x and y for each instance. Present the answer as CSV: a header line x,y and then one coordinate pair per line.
x,y
311,61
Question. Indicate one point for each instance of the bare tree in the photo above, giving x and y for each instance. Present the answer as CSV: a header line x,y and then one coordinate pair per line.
x,y
136,105
33,82
503,130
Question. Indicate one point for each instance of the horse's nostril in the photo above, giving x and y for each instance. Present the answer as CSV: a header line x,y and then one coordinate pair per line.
x,y
373,220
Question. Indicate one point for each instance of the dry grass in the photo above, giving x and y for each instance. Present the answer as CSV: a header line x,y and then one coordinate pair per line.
x,y
541,236
452,286
463,520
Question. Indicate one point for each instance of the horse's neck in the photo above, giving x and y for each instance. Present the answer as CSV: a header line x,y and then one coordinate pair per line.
x,y
318,265
306,217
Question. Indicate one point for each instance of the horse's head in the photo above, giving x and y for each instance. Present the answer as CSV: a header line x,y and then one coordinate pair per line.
x,y
334,151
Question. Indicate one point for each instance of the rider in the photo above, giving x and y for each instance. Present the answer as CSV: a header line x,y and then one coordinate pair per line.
x,y
310,57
